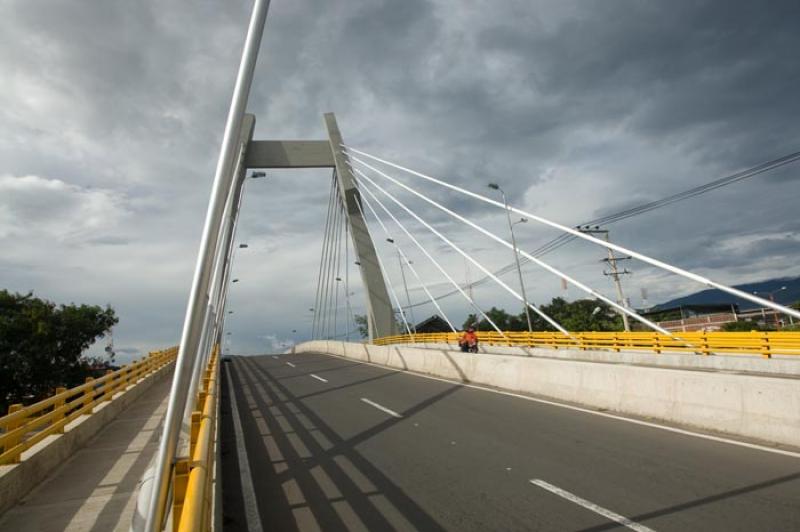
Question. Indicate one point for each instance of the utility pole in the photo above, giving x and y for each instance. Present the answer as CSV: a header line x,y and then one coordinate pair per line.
x,y
615,273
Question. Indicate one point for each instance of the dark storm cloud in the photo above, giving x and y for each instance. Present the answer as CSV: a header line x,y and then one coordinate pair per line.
x,y
115,110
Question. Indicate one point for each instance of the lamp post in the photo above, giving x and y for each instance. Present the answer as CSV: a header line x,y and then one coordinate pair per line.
x,y
405,284
495,186
774,312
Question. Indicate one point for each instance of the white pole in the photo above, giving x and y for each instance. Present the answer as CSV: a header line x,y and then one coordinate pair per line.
x,y
644,258
195,311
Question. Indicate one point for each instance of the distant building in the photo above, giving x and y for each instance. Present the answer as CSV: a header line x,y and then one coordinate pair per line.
x,y
682,318
434,324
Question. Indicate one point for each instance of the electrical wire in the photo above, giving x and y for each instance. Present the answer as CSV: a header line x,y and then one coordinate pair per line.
x,y
608,245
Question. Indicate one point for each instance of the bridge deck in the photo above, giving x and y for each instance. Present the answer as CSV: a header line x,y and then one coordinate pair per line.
x,y
94,489
459,458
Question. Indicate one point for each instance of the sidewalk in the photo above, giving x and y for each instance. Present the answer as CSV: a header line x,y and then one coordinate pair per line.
x,y
95,489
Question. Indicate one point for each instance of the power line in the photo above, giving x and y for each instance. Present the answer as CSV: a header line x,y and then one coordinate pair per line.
x,y
566,229
564,239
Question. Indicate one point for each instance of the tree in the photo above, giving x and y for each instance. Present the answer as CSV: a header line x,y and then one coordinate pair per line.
x,y
581,315
361,325
41,344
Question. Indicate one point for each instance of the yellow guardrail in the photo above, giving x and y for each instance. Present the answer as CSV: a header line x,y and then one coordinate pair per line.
x,y
25,426
762,343
194,475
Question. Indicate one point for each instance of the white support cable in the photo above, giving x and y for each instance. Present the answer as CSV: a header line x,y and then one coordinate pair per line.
x,y
466,255
337,282
326,303
551,269
317,298
349,312
386,276
609,245
434,261
410,266
330,330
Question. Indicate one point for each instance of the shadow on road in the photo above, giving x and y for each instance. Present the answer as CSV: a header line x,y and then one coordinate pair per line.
x,y
642,518
305,475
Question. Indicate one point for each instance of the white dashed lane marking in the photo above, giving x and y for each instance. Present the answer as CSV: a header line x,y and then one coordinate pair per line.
x,y
381,408
621,519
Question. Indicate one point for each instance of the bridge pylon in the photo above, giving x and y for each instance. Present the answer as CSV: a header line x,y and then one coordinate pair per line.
x,y
281,154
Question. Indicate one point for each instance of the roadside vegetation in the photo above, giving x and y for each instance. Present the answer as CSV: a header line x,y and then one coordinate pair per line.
x,y
42,346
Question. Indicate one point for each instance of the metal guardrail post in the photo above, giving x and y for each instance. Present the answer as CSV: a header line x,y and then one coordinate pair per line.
x,y
13,442
766,351
88,395
57,406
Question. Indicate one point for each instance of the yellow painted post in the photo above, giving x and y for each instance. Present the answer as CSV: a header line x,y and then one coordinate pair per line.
x,y
766,351
180,480
616,342
88,394
197,417
109,386
11,443
657,343
704,343
59,404
582,341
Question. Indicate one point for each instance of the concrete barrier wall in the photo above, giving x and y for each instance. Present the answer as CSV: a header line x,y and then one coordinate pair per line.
x,y
754,406
777,365
39,461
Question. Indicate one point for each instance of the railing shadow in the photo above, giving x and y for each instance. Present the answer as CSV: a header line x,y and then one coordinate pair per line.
x,y
641,518
306,475
93,487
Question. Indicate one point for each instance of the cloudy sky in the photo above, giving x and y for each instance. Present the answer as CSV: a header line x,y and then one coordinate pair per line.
x,y
111,115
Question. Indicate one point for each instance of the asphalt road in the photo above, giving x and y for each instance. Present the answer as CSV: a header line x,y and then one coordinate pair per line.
x,y
326,451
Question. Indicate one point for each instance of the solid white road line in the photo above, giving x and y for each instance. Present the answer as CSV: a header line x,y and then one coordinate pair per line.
x,y
290,364
319,378
252,517
676,430
379,407
621,519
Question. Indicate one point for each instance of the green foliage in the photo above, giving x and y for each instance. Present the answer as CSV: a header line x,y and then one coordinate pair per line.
x,y
581,315
742,326
361,324
41,345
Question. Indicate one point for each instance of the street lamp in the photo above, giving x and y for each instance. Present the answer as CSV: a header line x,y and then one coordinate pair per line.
x,y
405,284
256,175
235,281
495,186
774,312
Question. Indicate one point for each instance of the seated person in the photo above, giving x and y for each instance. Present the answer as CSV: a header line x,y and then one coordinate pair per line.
x,y
469,341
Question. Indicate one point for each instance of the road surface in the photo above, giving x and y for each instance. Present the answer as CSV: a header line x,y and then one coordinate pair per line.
x,y
333,444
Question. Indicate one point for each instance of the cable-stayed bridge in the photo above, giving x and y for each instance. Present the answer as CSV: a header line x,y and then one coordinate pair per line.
x,y
550,429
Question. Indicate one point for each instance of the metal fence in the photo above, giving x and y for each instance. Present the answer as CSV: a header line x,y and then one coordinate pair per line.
x,y
193,476
25,426
761,343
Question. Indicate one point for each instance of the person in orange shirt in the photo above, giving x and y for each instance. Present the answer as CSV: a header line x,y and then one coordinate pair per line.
x,y
469,341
